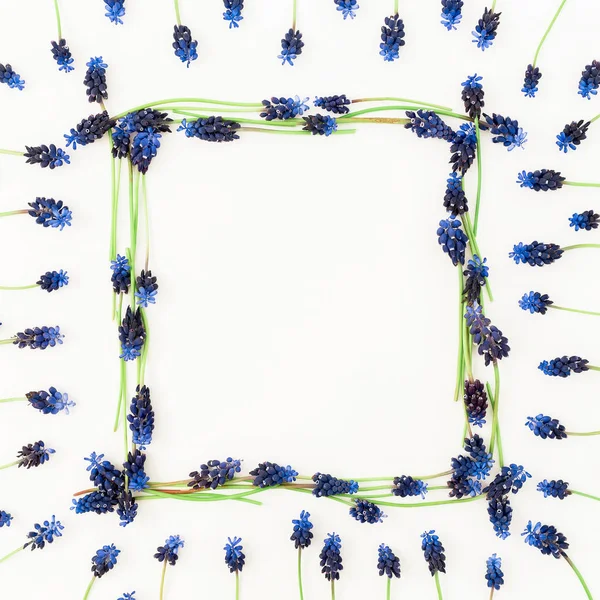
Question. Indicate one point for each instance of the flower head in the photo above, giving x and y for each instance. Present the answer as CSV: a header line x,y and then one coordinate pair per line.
x,y
546,539
127,508
347,8
144,148
463,148
544,180
215,473
451,13
50,213
10,78
367,512
388,563
44,534
234,557
53,280
331,558
39,338
302,534
95,80
535,302
472,95
392,38
536,254
405,486
233,12
453,240
132,335
476,402
494,575
170,551
427,124
291,47
490,342
46,156
563,366
326,485
506,131
89,130
115,9
51,402
62,55
96,502
283,108
572,135
141,417
137,122
532,78
133,467
5,518
338,105
546,427
500,512
320,125
104,560
121,274
211,129
127,596
485,30
590,80
147,289
554,488
269,474
476,276
587,220
433,552
184,45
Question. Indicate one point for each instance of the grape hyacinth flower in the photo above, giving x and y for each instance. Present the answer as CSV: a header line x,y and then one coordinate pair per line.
x,y
89,130
494,575
141,418
184,45
51,402
472,96
476,402
103,561
115,9
269,474
53,280
405,486
554,488
367,512
132,335
302,537
532,78
233,12
506,131
572,135
476,275
36,338
453,240
388,563
50,213
326,486
133,467
121,274
451,13
463,148
586,220
486,28
590,80
5,518
542,180
137,122
147,289
534,302
31,455
235,560
490,342
291,46
10,78
500,512
62,55
563,366
433,552
128,596
347,8
338,105
214,474
95,80
546,427
320,125
331,558
284,108
392,38
427,124
546,539
42,534
536,254
46,156
211,129
168,555
144,148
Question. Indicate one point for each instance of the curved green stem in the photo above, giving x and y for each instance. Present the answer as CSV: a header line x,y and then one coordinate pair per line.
x,y
460,361
407,100
496,409
438,587
584,495
202,115
575,310
420,504
498,436
556,15
468,225
89,589
58,25
300,573
479,179
579,576
573,247
18,287
122,371
580,184
365,111
13,212
7,556
22,399
295,132
8,465
177,13
162,580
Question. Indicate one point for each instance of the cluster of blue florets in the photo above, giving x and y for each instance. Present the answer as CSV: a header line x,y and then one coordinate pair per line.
x,y
451,13
405,486
556,488
141,418
506,131
269,474
327,485
392,38
233,12
590,80
490,342
486,29
62,55
563,366
291,47
387,562
53,280
10,78
115,9
546,427
284,108
331,557
532,78
302,534
104,560
184,45
546,539
536,254
234,557
51,402
50,213
39,338
44,533
494,575
433,550
170,551
535,302
453,240
367,512
586,221
215,473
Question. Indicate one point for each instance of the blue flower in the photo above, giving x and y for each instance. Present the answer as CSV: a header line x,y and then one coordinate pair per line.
x,y
53,280
587,220
211,129
388,563
427,124
392,38
141,418
95,80
507,131
302,534
473,96
463,148
518,475
10,78
170,551
494,575
490,342
269,474
50,213
405,486
546,539
347,8
104,560
336,104
132,335
331,558
562,366
39,338
472,81
127,508
233,12
96,502
326,485
133,467
291,47
184,45
284,108
44,534
215,473
234,557
88,130
590,80
147,288
5,518
367,512
434,552
463,486
476,402
62,55
144,148
121,274
320,125
536,254
555,488
46,156
572,135
532,78
500,513
485,30
127,596
453,240
535,302
51,402
451,13
546,427
476,275
115,10
542,180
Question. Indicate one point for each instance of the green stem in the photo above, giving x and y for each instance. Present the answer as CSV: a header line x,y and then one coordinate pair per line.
x,y
58,25
198,115
89,588
582,433
473,241
7,466
593,368
8,341
237,585
162,580
365,111
420,504
537,52
492,593
565,248
395,7
496,410
388,587
11,554
333,589
438,587
301,132
460,362
479,178
579,575
146,347
177,14
407,100
13,400
18,287
584,495
147,220
121,368
13,212
300,573
213,109
498,435
294,14
12,152
575,310
581,184
493,8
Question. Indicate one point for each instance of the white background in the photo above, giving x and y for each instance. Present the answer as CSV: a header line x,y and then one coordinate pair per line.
x,y
306,314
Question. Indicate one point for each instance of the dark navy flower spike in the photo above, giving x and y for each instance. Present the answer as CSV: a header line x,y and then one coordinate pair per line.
x,y
348,8
587,220
89,130
50,213
95,80
235,559
546,427
427,124
38,338
536,254
554,488
572,135
472,95
62,55
388,563
302,534
367,512
486,28
285,108
433,552
494,575
270,474
104,560
338,105
214,473
141,418
115,9
405,486
10,78
291,47
326,485
451,13
184,45
31,455
542,180
392,38
5,518
453,240
46,156
320,125
476,402
233,12
51,402
147,289
331,557
463,148
211,129
169,553
42,535
506,131
532,78
563,366
590,80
